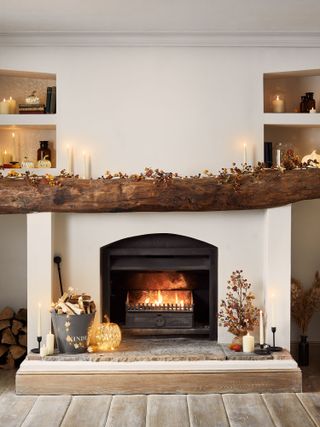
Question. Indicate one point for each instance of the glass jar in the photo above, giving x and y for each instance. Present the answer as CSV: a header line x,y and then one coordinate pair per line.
x,y
44,151
303,104
310,101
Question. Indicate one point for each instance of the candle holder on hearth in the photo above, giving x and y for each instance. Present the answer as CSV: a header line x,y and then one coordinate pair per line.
x,y
263,350
37,350
274,347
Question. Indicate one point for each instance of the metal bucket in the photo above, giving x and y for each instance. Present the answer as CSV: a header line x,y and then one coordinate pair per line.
x,y
71,332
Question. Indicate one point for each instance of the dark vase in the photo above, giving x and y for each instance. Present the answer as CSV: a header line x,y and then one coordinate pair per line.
x,y
303,359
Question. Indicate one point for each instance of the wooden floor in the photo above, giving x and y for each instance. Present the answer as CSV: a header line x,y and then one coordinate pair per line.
x,y
233,410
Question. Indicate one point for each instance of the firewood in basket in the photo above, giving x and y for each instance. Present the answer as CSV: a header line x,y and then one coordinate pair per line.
x,y
80,303
74,308
92,307
7,337
6,314
62,308
64,297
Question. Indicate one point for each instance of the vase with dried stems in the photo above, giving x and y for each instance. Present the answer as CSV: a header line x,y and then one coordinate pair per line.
x,y
304,303
237,310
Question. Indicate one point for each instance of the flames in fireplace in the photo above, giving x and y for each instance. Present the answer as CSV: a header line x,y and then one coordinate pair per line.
x,y
159,300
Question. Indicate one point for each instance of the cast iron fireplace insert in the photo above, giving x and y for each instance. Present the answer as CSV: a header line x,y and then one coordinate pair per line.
x,y
160,284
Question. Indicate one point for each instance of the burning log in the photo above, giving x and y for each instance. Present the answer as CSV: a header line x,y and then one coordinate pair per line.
x,y
13,337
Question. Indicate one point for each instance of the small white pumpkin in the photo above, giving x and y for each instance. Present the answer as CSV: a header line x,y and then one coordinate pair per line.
x,y
27,163
44,163
313,156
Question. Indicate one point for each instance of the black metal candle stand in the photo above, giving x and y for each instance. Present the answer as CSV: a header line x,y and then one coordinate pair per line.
x,y
37,350
274,348
263,350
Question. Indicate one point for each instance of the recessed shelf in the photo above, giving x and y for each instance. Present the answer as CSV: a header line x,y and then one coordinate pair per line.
x,y
292,119
27,119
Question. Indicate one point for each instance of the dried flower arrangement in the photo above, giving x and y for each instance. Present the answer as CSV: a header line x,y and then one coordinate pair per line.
x,y
238,312
305,302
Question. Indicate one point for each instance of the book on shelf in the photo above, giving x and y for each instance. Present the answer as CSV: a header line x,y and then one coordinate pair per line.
x,y
31,108
51,100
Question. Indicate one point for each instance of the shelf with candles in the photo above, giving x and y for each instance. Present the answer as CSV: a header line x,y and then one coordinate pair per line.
x,y
292,119
27,119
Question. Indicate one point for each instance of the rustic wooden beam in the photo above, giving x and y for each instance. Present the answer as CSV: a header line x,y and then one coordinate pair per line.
x,y
267,189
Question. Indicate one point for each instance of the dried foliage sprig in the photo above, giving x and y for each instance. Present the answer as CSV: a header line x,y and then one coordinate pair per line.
x,y
237,311
305,302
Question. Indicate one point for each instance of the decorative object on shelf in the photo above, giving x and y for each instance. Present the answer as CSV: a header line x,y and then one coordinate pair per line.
x,y
237,311
44,151
312,111
310,102
303,104
278,105
4,107
44,163
27,164
274,348
108,335
245,154
6,157
86,165
248,343
72,318
304,303
39,327
312,160
268,160
31,109
32,99
49,343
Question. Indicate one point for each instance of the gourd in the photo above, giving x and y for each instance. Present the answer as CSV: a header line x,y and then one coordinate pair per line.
x,y
27,163
44,163
312,157
108,335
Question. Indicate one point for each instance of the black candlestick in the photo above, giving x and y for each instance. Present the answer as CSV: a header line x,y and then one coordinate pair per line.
x,y
37,350
274,347
264,350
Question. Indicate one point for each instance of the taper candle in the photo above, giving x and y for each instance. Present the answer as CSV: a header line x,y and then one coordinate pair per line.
x,y
39,321
261,329
86,165
245,157
69,159
278,158
273,319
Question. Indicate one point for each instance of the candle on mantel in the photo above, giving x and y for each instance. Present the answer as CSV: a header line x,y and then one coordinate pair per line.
x,y
278,158
248,343
312,111
245,157
50,343
86,165
273,318
39,321
69,159
278,105
4,107
12,105
261,329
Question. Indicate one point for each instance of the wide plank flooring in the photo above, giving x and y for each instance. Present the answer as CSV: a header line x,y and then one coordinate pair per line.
x,y
203,410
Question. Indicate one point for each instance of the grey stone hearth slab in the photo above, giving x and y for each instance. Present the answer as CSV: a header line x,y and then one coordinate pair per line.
x,y
152,349
164,349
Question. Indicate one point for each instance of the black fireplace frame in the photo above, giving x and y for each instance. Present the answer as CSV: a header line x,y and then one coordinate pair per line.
x,y
161,252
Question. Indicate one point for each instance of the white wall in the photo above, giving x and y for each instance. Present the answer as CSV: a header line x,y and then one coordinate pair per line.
x,y
13,261
181,109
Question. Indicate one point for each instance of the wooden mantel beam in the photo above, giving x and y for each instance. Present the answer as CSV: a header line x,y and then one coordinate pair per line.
x,y
270,188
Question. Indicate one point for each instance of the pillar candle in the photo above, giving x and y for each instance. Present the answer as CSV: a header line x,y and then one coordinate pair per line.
x,y
261,329
39,321
278,105
43,351
278,158
4,106
69,159
50,343
6,157
245,157
248,343
12,105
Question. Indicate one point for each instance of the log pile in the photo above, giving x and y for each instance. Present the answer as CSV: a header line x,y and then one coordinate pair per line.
x,y
13,337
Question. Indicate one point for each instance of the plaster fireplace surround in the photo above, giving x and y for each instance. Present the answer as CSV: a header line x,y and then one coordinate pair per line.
x,y
112,256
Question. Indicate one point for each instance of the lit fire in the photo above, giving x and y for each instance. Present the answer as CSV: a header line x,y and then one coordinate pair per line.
x,y
168,299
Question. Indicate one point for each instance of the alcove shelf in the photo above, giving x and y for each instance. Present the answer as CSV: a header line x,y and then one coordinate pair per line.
x,y
270,188
20,133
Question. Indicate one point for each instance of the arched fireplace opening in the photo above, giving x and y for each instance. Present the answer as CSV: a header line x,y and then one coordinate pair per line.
x,y
161,284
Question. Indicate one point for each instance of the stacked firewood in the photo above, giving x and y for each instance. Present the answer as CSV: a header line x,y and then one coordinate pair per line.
x,y
74,303
13,337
